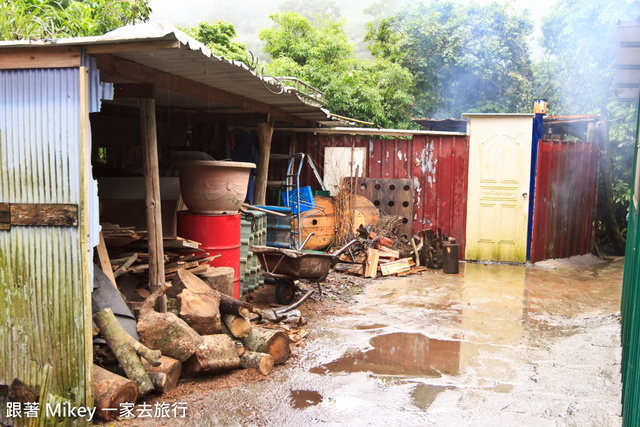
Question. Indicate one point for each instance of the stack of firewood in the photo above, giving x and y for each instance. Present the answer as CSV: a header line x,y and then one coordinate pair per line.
x,y
376,256
211,333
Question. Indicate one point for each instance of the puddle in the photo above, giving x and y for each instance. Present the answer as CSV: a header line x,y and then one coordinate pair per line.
x,y
367,327
304,398
424,394
406,354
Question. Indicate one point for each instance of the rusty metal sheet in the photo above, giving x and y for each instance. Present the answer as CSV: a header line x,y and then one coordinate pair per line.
x,y
565,191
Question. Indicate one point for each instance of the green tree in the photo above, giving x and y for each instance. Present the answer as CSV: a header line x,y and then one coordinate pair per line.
x,y
49,19
321,55
577,78
471,58
218,37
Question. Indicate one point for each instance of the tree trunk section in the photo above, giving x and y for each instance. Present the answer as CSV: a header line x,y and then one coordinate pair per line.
x,y
230,305
152,195
273,342
171,369
110,391
261,361
166,331
238,326
200,311
239,346
607,208
217,353
220,279
265,132
116,338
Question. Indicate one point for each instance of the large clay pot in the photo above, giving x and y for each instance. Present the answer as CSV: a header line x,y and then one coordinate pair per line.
x,y
214,187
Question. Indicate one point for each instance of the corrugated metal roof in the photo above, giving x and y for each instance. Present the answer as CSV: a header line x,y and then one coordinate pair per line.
x,y
163,47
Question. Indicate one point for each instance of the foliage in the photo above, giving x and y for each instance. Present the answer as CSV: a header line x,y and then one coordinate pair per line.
x,y
321,55
48,19
470,58
218,37
576,77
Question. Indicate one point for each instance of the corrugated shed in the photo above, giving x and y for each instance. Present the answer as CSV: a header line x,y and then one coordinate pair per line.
x,y
565,192
438,165
41,297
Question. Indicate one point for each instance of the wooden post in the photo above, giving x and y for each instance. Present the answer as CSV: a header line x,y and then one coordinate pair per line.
x,y
265,132
152,196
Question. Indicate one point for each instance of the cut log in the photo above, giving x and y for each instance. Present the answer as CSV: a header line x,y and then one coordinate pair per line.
x,y
230,305
416,254
414,270
371,266
171,369
217,353
200,311
220,279
261,361
388,253
355,269
110,391
239,346
116,338
273,342
399,266
238,326
166,331
124,267
187,280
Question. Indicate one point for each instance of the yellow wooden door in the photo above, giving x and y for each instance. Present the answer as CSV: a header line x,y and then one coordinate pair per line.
x,y
498,191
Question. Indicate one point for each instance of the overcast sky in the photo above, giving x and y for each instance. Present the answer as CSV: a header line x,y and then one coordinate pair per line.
x,y
249,16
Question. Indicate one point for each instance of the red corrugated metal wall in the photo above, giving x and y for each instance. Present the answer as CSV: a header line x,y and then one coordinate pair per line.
x,y
565,192
437,164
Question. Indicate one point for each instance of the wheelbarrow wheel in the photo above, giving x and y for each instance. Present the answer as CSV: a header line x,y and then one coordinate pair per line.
x,y
285,292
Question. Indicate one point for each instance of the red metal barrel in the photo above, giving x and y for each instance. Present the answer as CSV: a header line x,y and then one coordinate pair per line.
x,y
217,234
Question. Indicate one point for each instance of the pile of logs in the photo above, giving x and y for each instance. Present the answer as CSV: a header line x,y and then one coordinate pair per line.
x,y
210,334
376,255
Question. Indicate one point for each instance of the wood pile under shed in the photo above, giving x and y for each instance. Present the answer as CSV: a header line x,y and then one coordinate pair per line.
x,y
204,330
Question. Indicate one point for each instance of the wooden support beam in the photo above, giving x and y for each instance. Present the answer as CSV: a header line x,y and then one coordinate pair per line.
x,y
131,47
121,68
133,91
265,132
152,196
41,214
40,57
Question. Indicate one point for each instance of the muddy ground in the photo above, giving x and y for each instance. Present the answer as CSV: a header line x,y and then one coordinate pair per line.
x,y
494,345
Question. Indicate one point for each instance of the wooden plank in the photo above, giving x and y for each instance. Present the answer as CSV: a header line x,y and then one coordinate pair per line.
x,y
54,214
86,184
117,67
40,57
399,266
371,266
105,262
133,91
152,197
5,216
131,47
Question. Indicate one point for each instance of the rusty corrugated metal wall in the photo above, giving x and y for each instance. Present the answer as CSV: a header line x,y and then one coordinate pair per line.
x,y
564,198
438,166
42,275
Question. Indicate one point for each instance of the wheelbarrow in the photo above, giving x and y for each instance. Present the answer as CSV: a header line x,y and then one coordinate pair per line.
x,y
284,266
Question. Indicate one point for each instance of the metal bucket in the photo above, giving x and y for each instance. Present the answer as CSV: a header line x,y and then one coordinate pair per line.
x,y
217,234
450,262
